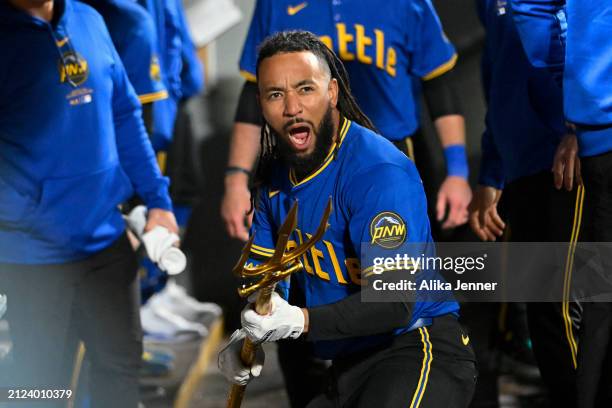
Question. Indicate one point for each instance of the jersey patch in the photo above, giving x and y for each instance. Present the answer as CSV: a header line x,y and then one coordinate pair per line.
x,y
73,67
388,230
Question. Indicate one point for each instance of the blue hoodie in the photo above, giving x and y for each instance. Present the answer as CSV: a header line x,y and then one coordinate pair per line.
x,y
524,121
72,141
574,37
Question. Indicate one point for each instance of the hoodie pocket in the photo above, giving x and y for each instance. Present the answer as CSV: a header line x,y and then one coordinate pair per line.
x,y
77,210
14,207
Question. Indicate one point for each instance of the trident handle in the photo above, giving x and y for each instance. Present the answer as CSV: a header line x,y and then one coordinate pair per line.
x,y
279,266
263,305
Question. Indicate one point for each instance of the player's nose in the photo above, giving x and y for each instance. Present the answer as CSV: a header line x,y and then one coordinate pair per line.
x,y
293,106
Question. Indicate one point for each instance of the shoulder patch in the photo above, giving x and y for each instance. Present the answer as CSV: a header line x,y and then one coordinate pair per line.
x,y
388,230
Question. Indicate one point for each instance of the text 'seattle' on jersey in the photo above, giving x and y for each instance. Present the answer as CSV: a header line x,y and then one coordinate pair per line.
x,y
368,179
389,45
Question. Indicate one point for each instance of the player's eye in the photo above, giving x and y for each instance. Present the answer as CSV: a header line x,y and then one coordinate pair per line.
x,y
274,95
307,89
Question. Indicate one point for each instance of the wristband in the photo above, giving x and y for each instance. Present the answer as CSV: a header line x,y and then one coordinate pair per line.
x,y
236,169
456,161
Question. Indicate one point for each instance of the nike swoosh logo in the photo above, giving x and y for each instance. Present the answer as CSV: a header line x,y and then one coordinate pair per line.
x,y
273,193
293,10
61,43
465,339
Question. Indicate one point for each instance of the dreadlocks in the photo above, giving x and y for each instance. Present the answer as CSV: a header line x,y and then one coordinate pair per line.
x,y
298,41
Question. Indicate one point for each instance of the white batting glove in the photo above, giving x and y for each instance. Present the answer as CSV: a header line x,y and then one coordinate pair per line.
x,y
284,321
231,365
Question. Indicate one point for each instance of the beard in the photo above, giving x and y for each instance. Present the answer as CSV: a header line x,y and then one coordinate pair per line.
x,y
305,164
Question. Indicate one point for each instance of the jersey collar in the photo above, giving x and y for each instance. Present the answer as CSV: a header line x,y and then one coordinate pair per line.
x,y
346,124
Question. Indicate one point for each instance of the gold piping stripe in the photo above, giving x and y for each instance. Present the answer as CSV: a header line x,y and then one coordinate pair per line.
x,y
248,76
569,264
343,131
426,366
258,252
410,148
447,66
152,97
162,159
263,249
581,191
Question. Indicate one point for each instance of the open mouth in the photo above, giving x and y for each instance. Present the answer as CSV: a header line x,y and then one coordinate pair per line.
x,y
299,135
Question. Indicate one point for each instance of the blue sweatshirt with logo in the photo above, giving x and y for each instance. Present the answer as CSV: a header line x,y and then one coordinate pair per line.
x,y
72,142
574,38
524,121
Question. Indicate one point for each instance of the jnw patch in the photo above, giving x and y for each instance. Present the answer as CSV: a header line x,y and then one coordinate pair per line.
x,y
73,67
388,230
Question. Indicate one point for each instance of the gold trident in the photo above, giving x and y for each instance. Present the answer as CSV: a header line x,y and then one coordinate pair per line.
x,y
282,264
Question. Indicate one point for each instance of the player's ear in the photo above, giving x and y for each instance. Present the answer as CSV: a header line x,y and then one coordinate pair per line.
x,y
332,89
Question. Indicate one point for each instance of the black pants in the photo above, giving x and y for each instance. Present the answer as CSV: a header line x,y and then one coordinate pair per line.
x,y
430,367
537,212
52,307
595,350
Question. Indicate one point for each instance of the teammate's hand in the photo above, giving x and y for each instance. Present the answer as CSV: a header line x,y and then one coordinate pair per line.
x,y
284,321
455,193
231,365
484,219
236,205
156,217
566,165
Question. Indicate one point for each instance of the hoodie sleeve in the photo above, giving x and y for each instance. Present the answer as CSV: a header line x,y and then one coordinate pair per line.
x,y
135,152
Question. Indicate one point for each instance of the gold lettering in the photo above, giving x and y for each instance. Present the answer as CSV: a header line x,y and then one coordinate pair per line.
x,y
72,69
316,254
343,39
307,266
334,260
362,42
391,61
380,49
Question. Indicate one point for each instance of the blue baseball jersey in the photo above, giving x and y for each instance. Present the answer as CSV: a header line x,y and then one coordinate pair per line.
x,y
574,38
167,25
133,34
372,185
384,45
192,73
513,148
72,141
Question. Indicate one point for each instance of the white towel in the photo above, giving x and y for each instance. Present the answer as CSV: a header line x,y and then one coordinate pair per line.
x,y
159,243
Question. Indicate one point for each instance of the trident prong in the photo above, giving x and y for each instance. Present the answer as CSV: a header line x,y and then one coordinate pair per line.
x,y
282,263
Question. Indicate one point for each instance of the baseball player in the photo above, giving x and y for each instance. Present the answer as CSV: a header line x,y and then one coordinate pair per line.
x,y
73,147
388,48
572,39
316,144
517,156
133,34
167,25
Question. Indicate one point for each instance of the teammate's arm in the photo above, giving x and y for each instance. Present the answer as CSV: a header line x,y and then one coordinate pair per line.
x,y
244,148
433,59
136,154
244,143
445,110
